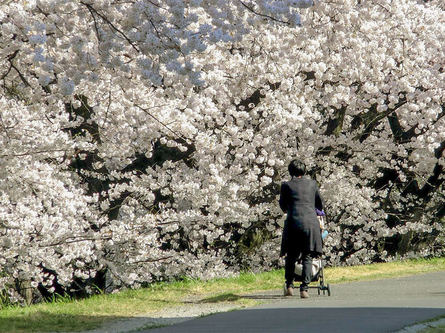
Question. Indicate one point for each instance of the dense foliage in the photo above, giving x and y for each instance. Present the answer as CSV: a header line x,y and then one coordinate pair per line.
x,y
145,140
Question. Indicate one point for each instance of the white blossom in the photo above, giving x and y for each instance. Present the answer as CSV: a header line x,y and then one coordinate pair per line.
x,y
148,140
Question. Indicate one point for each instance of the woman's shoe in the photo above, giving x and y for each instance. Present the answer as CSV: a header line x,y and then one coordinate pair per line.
x,y
304,294
288,291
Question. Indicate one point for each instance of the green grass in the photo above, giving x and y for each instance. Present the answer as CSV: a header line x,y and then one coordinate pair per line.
x,y
434,328
439,329
74,315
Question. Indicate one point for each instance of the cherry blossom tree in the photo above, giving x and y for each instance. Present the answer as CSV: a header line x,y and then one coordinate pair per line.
x,y
146,140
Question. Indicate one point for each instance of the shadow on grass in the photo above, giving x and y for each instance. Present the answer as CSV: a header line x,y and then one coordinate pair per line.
x,y
42,321
259,297
228,297
231,297
438,293
50,322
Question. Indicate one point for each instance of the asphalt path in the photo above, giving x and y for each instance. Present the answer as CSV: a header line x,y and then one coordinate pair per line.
x,y
386,305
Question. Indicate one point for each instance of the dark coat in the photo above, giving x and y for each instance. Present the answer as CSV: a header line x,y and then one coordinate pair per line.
x,y
299,198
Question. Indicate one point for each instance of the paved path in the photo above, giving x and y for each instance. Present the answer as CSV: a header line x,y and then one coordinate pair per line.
x,y
372,306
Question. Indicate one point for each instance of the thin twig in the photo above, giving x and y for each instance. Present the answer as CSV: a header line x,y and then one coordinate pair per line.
x,y
62,242
95,23
260,14
7,72
34,153
159,121
91,8
150,260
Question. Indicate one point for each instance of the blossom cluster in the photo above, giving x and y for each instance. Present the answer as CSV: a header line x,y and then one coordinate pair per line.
x,y
146,140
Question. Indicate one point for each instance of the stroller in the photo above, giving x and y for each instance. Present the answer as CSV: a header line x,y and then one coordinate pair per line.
x,y
317,276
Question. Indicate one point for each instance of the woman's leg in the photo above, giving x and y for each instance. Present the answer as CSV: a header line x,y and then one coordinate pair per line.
x,y
289,268
307,271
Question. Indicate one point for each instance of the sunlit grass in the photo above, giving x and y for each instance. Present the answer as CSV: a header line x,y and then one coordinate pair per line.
x,y
383,270
71,315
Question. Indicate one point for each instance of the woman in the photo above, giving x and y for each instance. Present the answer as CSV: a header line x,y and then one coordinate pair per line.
x,y
299,198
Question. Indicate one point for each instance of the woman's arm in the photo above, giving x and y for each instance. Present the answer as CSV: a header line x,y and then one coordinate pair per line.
x,y
283,197
318,200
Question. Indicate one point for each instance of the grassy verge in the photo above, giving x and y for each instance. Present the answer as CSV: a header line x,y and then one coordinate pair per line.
x,y
74,315
438,329
434,325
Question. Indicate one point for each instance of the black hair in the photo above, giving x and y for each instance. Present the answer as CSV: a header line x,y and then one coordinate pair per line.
x,y
296,168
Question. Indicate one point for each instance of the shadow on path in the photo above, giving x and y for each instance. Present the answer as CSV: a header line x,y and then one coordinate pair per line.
x,y
316,320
